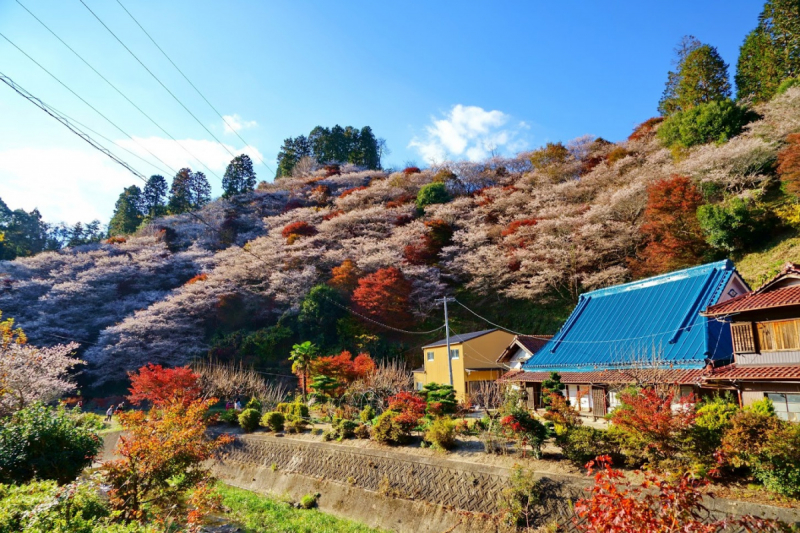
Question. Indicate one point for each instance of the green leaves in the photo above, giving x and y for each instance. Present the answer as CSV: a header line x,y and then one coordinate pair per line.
x,y
716,121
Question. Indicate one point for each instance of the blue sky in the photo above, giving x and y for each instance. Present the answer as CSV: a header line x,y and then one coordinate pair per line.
x,y
435,79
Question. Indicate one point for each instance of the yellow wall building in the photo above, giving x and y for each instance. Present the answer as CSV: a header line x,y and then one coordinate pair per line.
x,y
474,357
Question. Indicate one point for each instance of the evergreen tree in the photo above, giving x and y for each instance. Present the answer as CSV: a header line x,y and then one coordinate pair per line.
x,y
334,145
180,194
23,233
291,152
702,77
200,190
239,176
771,52
127,212
154,196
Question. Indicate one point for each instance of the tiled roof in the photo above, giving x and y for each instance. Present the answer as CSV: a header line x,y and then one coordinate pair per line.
x,y
771,372
753,300
531,343
611,326
676,375
457,339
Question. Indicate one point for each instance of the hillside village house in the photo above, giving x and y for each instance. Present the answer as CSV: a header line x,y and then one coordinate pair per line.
x,y
474,357
644,331
765,324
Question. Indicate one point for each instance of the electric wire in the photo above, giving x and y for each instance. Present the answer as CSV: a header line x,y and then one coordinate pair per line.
x,y
123,95
220,115
157,79
85,102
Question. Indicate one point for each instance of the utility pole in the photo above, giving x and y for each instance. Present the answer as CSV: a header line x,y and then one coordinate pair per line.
x,y
447,337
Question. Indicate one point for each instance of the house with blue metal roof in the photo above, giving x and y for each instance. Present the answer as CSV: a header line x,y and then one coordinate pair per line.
x,y
654,324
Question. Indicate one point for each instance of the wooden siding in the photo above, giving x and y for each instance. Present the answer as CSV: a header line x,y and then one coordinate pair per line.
x,y
743,338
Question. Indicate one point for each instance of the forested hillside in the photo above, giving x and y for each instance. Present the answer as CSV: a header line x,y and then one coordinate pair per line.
x,y
353,257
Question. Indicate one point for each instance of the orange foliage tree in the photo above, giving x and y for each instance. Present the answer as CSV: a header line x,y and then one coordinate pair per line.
x,y
789,164
344,278
343,368
162,474
159,385
383,296
671,230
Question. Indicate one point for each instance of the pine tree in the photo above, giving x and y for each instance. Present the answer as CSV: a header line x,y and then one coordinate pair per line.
x,y
154,196
702,77
239,176
200,190
291,152
127,212
771,52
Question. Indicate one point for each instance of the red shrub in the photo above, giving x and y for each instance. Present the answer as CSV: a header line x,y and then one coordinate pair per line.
x,y
343,368
400,201
199,277
427,250
331,170
514,226
383,296
333,214
347,192
300,228
645,129
411,170
158,385
408,403
402,220
116,239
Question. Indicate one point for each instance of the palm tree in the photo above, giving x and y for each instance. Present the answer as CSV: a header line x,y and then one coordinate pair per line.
x,y
301,357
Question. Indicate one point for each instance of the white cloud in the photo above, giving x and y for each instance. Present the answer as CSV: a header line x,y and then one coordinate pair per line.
x,y
67,185
234,122
468,131
74,185
176,157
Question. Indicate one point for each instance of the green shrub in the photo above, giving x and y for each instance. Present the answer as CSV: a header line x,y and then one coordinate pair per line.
x,y
273,420
388,429
295,424
787,84
229,416
440,399
716,121
520,502
733,225
91,421
309,501
762,407
441,434
253,403
297,409
581,444
249,419
367,414
44,507
713,419
344,428
432,193
45,443
777,466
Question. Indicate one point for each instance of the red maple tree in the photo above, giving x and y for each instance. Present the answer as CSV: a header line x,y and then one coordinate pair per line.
x,y
299,228
427,249
159,386
789,164
343,367
671,230
383,296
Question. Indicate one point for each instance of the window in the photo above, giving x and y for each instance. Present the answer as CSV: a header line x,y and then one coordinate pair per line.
x,y
454,353
419,385
787,406
780,335
430,356
743,340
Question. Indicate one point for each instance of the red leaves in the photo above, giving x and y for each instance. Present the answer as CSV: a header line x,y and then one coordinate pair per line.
x,y
657,505
789,164
343,368
159,386
300,228
411,170
650,419
513,227
199,277
673,234
411,406
427,250
383,296
646,128
347,192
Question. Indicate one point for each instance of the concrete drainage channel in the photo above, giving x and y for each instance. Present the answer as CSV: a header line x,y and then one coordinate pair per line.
x,y
401,492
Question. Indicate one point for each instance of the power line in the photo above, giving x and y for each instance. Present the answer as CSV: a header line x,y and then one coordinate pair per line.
x,y
190,83
116,88
156,78
63,120
85,102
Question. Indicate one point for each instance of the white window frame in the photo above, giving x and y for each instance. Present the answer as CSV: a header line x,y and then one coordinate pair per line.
x,y
430,355
455,353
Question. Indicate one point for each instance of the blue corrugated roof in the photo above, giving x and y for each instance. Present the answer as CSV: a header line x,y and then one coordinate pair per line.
x,y
611,327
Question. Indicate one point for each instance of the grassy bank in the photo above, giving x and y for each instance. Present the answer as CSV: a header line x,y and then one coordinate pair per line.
x,y
256,513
